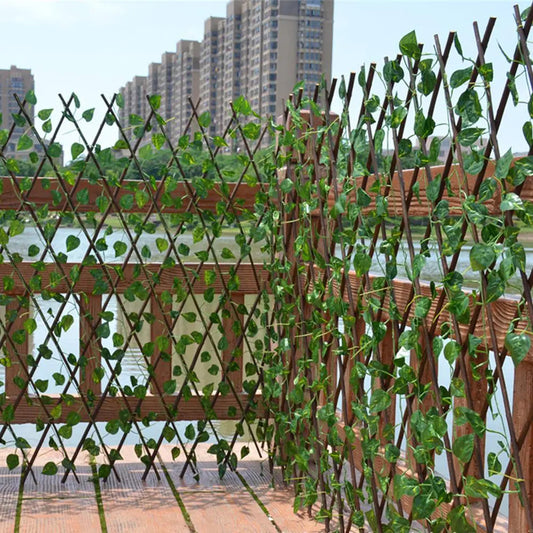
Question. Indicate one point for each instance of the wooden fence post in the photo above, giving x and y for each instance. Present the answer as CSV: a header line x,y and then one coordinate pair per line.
x,y
16,318
478,387
522,407
90,308
158,328
388,349
233,354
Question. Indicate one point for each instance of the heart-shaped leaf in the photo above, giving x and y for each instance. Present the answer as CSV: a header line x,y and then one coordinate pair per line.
x,y
518,346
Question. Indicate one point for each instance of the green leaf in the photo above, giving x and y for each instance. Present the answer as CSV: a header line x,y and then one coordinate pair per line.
x,y
169,433
433,189
121,144
76,150
251,130
463,447
8,414
511,84
424,127
104,470
486,71
423,305
481,488
286,186
468,106
379,401
18,119
12,461
362,263
424,506
226,253
30,97
126,202
457,45
175,452
204,120
88,114
155,101
120,248
83,196
189,317
397,117
30,325
419,262
183,249
112,427
169,387
190,432
16,227
393,72
409,46
511,202
44,114
24,143
50,469
452,351
495,467
219,141
518,346
405,486
54,150
197,234
524,168
468,136
481,256
72,242
242,106
73,418
459,77
162,244
429,80
503,165
363,199
41,385
158,140
464,415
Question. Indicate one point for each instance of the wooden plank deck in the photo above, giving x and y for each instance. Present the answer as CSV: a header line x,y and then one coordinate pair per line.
x,y
242,501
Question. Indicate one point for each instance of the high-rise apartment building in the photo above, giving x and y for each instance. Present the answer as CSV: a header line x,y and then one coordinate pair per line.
x,y
260,50
186,84
14,81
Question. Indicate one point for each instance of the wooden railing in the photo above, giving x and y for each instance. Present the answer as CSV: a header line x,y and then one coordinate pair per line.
x,y
314,333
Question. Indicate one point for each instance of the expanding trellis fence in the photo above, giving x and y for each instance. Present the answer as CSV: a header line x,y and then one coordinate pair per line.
x,y
358,298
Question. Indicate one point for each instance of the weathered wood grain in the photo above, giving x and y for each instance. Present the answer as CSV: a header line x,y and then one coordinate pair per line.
x,y
164,279
50,505
214,504
188,409
43,191
135,505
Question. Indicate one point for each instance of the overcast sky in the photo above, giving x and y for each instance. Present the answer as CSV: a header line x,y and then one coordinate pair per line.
x,y
95,46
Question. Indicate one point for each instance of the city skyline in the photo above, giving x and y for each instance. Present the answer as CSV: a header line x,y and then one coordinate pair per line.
x,y
92,47
259,50
14,81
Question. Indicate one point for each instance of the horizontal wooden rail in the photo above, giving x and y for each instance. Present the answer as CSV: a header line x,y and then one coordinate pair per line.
x,y
252,279
504,309
48,191
45,191
188,409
